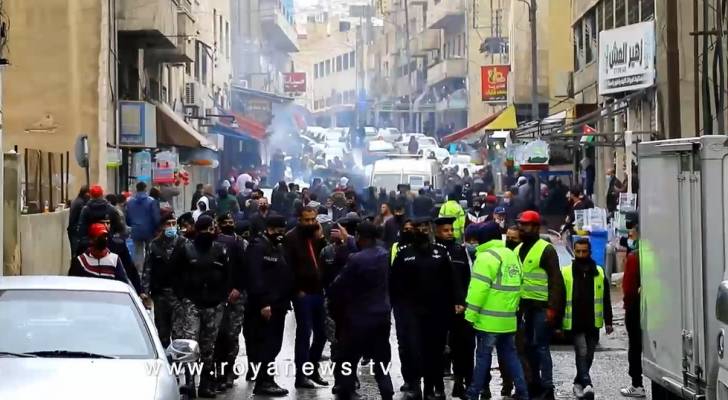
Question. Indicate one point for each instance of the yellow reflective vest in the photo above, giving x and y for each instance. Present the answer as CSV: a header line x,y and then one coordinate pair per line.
x,y
452,209
494,292
535,279
568,274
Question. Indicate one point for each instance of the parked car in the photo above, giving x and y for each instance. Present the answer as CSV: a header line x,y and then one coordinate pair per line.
x,y
377,150
80,338
388,134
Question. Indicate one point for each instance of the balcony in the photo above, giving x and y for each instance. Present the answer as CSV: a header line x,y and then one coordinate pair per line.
x,y
446,13
152,21
277,24
447,69
427,41
185,50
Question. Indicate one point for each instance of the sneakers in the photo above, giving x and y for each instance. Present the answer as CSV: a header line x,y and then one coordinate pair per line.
x,y
303,382
631,391
270,389
589,392
578,390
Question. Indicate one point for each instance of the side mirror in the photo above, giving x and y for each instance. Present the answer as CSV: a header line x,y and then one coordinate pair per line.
x,y
721,306
183,350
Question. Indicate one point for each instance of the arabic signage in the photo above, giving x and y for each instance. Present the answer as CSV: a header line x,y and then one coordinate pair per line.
x,y
494,83
627,58
294,82
138,123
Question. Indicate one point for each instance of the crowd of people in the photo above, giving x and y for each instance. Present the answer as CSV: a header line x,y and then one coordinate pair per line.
x,y
468,275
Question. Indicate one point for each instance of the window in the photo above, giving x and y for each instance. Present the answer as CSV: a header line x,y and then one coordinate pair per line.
x,y
590,39
328,67
619,13
352,60
647,11
221,42
445,51
346,61
578,47
599,13
315,71
633,12
608,14
227,39
338,63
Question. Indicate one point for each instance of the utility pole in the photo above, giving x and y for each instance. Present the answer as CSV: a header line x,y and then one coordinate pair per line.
x,y
534,61
409,61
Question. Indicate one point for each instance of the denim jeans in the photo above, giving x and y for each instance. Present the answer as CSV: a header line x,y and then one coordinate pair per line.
x,y
537,334
310,319
584,346
506,346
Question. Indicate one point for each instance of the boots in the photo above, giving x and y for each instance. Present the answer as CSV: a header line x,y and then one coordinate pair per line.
x,y
269,388
458,388
317,379
207,386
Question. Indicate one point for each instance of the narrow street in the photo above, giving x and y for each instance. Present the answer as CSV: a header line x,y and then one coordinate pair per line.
x,y
608,373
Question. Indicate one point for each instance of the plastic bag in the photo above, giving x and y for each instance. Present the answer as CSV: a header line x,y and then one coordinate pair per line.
x,y
536,152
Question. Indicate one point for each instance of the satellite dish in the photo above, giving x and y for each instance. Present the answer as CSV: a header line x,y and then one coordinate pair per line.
x,y
80,151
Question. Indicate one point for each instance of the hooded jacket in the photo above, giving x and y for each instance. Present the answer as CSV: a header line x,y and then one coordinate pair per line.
x,y
142,215
97,210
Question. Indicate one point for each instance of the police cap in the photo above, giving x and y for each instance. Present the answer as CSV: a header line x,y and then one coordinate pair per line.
x,y
444,220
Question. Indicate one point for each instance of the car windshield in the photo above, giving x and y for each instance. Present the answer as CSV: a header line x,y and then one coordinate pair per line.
x,y
102,323
416,181
387,181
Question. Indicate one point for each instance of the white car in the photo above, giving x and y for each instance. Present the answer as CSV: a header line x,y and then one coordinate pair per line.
x,y
79,338
438,153
389,134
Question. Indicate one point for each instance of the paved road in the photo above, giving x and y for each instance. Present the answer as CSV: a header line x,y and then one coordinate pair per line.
x,y
609,372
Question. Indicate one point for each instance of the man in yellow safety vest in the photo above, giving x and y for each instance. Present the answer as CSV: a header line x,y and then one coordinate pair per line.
x,y
588,309
491,305
452,208
542,302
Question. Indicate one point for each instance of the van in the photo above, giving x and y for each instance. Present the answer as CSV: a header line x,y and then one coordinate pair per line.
x,y
409,169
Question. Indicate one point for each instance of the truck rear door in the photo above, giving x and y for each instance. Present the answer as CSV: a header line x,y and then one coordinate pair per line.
x,y
671,266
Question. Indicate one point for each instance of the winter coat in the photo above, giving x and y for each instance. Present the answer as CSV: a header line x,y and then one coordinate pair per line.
x,y
142,216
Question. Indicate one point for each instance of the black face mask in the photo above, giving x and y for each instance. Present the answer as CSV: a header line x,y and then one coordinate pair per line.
x,y
582,261
529,237
205,238
308,230
512,244
227,230
399,218
446,242
101,243
406,237
421,238
275,238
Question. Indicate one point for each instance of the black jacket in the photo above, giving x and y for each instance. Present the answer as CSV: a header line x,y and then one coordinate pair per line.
x,y
461,265
391,231
159,273
332,260
271,277
303,255
422,206
235,247
97,210
363,286
74,215
204,273
424,279
583,297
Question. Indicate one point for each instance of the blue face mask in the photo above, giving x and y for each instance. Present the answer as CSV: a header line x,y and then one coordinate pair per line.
x,y
170,232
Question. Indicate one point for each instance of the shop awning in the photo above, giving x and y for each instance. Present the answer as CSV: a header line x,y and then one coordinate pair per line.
x,y
172,130
504,119
243,128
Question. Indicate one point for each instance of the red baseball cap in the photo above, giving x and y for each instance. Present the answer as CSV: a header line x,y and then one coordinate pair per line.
x,y
96,230
530,217
96,191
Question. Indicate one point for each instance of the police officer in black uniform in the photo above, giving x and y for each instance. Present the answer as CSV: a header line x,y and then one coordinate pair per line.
x,y
425,286
158,280
205,285
461,338
269,300
228,338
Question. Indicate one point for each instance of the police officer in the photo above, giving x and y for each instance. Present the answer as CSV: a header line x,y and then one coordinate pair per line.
x,y
158,281
461,336
542,302
333,258
228,338
205,284
406,237
424,285
492,303
269,300
362,287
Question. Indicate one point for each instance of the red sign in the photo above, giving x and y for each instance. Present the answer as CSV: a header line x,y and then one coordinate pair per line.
x,y
294,82
494,83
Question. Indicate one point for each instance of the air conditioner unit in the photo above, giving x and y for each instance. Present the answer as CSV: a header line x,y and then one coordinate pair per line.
x,y
191,93
244,83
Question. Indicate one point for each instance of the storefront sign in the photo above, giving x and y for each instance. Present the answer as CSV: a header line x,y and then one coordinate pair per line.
x,y
138,124
627,58
494,82
294,82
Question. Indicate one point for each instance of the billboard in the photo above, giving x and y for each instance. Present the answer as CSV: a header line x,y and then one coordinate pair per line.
x,y
294,82
627,58
494,83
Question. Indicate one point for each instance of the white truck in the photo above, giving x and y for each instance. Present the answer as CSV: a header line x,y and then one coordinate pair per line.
x,y
683,197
